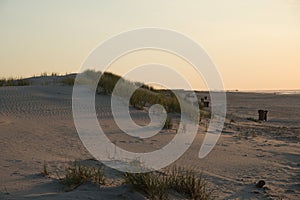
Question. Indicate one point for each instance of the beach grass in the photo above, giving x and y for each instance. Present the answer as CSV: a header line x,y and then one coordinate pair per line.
x,y
168,123
45,171
13,82
189,184
157,185
77,174
143,94
67,80
153,185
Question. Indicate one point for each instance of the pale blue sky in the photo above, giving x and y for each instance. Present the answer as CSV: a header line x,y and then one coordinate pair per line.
x,y
248,40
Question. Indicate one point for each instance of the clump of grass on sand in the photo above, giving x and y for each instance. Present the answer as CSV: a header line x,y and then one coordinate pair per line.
x,y
77,174
156,185
168,123
45,171
189,184
68,80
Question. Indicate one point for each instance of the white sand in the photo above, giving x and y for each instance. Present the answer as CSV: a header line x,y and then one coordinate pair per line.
x,y
36,125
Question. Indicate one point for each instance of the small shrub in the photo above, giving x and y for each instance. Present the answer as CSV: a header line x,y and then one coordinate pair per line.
x,y
168,123
45,171
68,80
152,184
76,175
187,183
157,184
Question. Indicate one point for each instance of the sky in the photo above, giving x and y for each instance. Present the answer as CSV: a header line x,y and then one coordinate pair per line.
x,y
255,44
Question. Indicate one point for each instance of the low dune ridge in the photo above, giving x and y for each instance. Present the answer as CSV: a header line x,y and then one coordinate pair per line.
x,y
36,126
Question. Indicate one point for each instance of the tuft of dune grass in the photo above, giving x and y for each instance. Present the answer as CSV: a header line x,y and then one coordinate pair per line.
x,y
156,185
77,174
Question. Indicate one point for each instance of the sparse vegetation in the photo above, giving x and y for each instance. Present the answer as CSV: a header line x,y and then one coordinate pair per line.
x,y
153,184
189,184
45,169
156,185
143,95
44,74
13,82
168,123
68,80
77,174
108,81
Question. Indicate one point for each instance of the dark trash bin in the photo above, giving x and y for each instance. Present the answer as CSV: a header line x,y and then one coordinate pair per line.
x,y
265,115
262,115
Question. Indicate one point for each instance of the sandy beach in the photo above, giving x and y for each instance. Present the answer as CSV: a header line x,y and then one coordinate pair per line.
x,y
158,100
36,126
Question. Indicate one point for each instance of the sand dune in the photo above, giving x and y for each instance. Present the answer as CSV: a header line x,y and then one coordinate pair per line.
x,y
36,125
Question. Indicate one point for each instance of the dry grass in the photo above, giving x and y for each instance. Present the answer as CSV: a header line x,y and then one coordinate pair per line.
x,y
45,171
189,184
156,185
13,82
152,184
68,80
168,123
77,174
